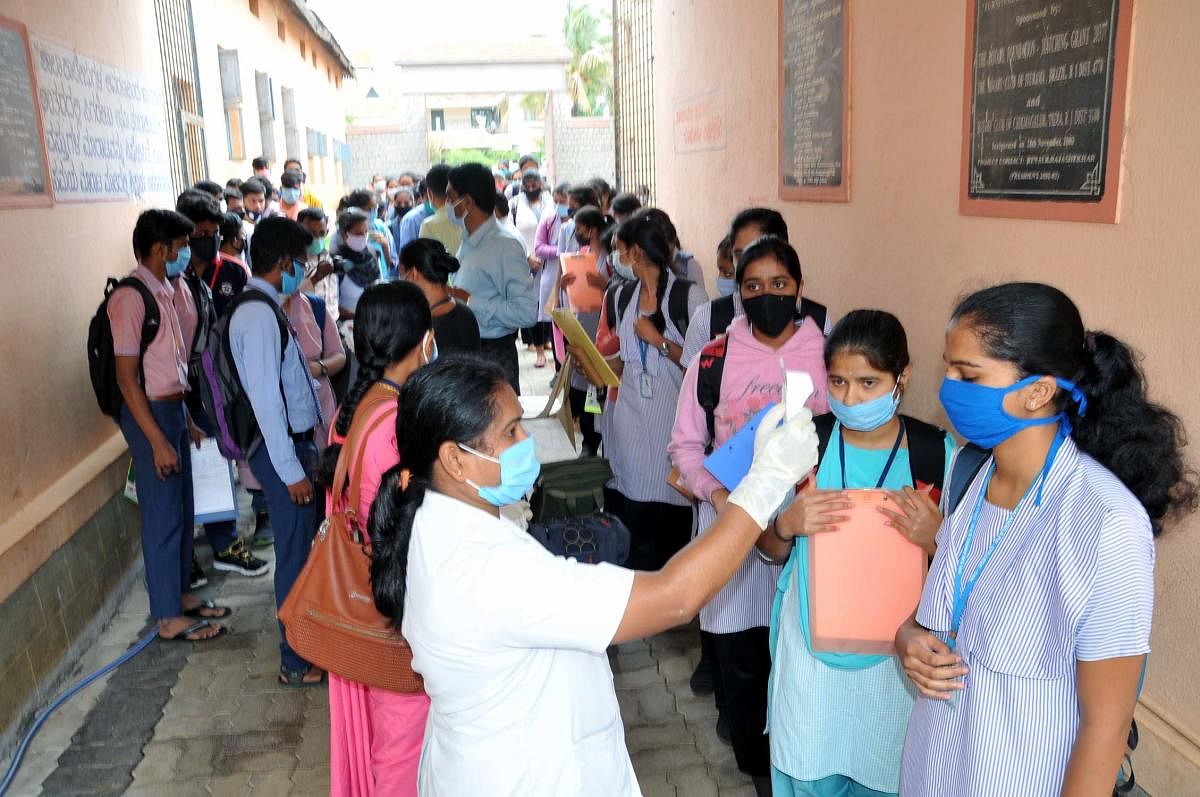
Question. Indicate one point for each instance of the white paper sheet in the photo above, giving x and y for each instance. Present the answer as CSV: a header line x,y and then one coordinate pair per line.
x,y
213,493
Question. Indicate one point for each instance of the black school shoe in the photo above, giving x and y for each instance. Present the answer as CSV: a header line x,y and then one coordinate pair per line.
x,y
198,579
236,559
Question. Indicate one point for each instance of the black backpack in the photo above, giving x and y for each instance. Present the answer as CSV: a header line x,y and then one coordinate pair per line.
x,y
621,293
721,314
102,361
225,401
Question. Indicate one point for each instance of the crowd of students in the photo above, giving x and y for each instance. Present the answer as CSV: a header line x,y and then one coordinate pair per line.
x,y
1018,671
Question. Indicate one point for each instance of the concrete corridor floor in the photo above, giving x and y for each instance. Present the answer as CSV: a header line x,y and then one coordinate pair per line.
x,y
183,719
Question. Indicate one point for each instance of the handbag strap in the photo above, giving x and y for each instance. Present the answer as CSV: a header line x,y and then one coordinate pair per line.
x,y
354,443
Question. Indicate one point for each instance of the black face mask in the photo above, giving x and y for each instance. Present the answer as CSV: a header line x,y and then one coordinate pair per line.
x,y
402,209
533,194
204,248
770,313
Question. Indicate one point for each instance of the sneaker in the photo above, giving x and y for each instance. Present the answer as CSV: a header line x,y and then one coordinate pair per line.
x,y
198,578
264,535
236,559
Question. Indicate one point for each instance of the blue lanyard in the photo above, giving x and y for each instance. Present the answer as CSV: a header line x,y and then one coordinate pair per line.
x,y
887,466
644,348
962,591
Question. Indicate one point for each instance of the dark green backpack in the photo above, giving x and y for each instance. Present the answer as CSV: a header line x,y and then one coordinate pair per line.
x,y
570,489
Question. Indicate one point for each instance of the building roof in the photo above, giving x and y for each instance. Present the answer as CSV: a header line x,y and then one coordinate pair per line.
x,y
534,50
323,34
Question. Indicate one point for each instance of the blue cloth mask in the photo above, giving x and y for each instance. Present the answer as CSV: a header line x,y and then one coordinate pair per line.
x,y
726,286
182,258
519,469
977,411
562,210
292,278
869,415
290,196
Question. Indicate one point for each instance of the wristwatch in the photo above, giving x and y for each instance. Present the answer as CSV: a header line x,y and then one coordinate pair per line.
x,y
665,348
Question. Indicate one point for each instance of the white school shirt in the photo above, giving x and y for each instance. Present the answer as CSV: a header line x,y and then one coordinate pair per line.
x,y
1073,580
511,642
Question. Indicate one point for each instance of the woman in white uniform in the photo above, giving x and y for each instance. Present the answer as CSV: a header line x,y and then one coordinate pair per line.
x,y
510,639
1029,640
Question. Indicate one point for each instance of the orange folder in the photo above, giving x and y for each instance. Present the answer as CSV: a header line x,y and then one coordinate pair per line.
x,y
582,296
865,579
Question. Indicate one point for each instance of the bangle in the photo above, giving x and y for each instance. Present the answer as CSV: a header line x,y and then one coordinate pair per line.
x,y
768,560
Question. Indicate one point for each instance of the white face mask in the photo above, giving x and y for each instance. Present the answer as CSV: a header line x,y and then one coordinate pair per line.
x,y
356,243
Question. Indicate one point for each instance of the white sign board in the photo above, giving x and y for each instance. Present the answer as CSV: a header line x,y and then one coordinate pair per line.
x,y
105,129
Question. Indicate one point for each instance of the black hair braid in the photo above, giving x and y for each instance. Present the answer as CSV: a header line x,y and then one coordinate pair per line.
x,y
390,526
660,291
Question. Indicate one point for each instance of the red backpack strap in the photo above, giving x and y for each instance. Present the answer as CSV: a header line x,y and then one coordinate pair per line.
x,y
708,385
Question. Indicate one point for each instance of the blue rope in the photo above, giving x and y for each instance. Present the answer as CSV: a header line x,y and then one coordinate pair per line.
x,y
11,774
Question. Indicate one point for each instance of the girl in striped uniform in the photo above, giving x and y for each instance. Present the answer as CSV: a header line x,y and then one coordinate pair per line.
x,y
754,349
837,720
1030,636
636,436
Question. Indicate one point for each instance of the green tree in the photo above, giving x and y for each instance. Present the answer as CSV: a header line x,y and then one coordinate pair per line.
x,y
589,74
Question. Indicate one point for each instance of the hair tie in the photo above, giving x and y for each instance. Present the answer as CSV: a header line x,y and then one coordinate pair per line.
x,y
405,478
1090,342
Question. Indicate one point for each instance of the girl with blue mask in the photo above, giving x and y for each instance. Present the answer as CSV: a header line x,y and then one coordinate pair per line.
x,y
1037,610
837,720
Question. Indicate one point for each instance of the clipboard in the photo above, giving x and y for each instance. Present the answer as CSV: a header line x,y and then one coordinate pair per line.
x,y
577,336
214,494
582,296
730,463
865,579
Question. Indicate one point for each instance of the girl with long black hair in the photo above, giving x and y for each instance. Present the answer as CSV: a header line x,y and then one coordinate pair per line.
x,y
375,735
426,263
1031,634
509,638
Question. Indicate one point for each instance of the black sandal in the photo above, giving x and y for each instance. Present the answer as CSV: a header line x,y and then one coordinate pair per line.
x,y
197,611
294,679
194,628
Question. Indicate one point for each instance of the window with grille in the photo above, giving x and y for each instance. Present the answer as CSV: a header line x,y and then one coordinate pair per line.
x,y
437,119
177,50
291,130
633,90
266,113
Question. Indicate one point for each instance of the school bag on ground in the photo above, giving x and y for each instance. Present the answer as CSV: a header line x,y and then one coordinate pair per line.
x,y
225,399
568,516
102,361
591,539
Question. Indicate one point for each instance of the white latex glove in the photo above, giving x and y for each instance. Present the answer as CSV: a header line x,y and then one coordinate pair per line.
x,y
782,457
518,513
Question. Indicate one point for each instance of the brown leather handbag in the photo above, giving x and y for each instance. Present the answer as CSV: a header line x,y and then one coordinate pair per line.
x,y
329,615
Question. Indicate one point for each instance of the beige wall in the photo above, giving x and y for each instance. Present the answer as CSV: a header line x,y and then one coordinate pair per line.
x,y
54,444
901,244
320,104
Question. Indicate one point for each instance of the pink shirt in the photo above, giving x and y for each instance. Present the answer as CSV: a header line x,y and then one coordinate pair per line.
x,y
381,453
165,362
316,344
752,379
185,308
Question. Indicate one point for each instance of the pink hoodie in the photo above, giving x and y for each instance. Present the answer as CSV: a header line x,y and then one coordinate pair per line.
x,y
752,379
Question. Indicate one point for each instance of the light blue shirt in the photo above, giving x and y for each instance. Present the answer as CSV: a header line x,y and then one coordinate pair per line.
x,y
410,225
281,393
495,272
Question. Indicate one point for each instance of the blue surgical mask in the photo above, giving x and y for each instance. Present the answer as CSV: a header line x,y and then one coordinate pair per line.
x,y
978,414
290,196
292,278
316,247
458,221
623,271
562,210
726,286
519,469
180,263
869,415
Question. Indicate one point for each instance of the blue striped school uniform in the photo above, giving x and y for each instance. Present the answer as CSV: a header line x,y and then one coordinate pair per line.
x,y
1072,581
637,434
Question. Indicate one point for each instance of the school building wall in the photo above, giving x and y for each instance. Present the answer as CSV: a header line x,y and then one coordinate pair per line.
x,y
901,244
68,540
312,74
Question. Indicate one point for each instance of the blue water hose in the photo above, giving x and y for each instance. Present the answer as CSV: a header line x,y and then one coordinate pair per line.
x,y
11,774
